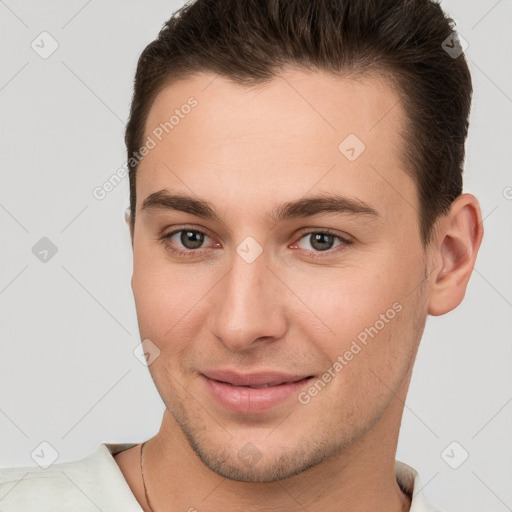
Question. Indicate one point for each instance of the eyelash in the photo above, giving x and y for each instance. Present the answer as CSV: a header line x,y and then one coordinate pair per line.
x,y
315,254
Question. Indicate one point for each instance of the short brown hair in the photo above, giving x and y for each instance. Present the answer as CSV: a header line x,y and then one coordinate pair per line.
x,y
249,41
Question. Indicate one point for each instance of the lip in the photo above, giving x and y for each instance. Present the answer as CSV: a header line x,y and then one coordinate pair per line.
x,y
230,389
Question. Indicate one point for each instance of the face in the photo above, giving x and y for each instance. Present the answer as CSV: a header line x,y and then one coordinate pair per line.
x,y
245,279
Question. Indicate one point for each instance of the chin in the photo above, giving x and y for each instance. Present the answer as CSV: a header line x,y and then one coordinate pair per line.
x,y
260,472
245,462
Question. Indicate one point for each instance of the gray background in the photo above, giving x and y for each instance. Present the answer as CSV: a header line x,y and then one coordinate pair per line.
x,y
68,375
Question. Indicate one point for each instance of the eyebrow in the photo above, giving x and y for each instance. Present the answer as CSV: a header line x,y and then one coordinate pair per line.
x,y
304,207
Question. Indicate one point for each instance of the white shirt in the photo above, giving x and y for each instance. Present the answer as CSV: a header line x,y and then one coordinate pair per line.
x,y
95,483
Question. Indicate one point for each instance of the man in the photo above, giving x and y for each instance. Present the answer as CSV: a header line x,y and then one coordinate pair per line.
x,y
296,213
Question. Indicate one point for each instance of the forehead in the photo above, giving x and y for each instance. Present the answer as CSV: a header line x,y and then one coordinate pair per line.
x,y
309,104
302,131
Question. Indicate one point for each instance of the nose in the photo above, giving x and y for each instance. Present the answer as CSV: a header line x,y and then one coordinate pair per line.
x,y
248,305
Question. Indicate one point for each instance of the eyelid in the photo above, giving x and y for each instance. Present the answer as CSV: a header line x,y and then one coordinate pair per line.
x,y
187,227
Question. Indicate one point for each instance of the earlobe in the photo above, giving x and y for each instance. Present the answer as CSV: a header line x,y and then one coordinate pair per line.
x,y
458,239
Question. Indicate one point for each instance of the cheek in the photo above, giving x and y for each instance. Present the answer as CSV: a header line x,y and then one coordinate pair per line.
x,y
160,289
341,303
367,315
169,308
367,369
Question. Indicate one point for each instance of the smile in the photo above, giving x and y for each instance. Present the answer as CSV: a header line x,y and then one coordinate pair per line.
x,y
252,393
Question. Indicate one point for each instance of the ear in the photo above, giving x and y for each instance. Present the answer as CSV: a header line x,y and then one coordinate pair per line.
x,y
128,220
455,247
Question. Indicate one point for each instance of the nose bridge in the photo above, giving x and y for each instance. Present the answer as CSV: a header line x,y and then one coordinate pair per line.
x,y
245,306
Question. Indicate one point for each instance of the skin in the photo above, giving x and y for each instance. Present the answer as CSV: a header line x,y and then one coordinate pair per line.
x,y
247,151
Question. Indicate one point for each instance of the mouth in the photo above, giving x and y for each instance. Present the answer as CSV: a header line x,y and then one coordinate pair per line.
x,y
254,380
261,386
252,393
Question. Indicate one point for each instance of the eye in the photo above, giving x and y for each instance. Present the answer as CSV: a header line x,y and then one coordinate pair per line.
x,y
189,239
187,242
322,241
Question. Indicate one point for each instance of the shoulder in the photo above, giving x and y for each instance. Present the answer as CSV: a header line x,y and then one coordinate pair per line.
x,y
90,483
